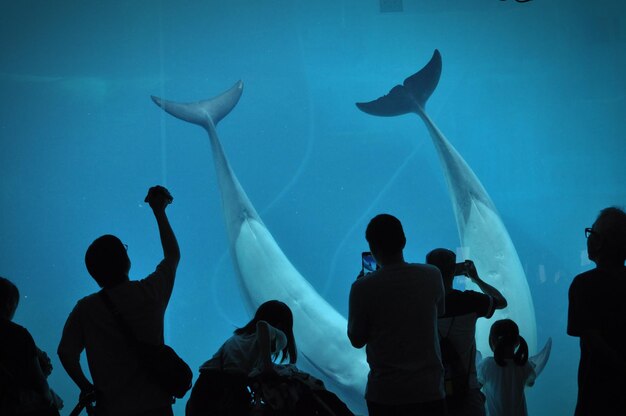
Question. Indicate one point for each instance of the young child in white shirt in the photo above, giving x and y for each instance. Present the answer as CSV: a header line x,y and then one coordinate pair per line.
x,y
505,375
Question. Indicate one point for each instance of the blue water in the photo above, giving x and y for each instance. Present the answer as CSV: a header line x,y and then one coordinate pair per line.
x,y
532,95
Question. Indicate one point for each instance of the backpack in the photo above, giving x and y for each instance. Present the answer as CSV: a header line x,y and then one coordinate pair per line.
x,y
456,372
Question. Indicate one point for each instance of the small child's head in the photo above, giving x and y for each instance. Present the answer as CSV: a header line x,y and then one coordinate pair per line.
x,y
506,342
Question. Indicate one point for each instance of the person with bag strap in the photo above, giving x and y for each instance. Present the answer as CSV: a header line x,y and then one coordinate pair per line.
x,y
122,385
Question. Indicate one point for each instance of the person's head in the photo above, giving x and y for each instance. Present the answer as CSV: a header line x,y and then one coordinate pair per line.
x,y
385,236
107,261
506,342
278,315
606,241
9,298
445,261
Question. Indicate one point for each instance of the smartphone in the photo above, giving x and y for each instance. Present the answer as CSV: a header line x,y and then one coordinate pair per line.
x,y
368,264
460,269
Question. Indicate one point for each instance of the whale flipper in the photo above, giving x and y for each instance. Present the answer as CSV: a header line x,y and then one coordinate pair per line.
x,y
540,359
409,97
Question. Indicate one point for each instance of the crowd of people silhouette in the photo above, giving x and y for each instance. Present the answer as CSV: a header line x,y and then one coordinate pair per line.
x,y
417,330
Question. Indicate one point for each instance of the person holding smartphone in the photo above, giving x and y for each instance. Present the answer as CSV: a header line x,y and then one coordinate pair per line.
x,y
458,327
393,312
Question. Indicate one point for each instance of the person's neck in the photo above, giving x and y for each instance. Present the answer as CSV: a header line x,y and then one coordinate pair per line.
x,y
117,282
390,259
604,263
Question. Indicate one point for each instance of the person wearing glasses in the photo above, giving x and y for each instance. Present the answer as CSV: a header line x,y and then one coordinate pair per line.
x,y
597,315
120,385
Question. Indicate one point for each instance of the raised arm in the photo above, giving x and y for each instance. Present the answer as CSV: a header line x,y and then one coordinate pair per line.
x,y
499,302
159,198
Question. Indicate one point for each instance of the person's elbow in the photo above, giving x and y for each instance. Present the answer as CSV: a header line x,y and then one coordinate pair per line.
x,y
67,358
501,303
355,340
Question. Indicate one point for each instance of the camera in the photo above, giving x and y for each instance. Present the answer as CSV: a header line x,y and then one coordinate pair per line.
x,y
461,269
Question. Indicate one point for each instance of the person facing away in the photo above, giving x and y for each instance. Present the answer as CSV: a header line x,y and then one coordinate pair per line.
x,y
221,387
23,367
458,325
597,315
242,377
505,375
121,386
393,312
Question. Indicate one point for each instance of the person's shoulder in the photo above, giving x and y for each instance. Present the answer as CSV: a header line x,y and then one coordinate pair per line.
x,y
16,333
426,270
13,329
165,271
586,278
86,303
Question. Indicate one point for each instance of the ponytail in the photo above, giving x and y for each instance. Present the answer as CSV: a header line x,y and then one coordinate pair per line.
x,y
504,337
521,355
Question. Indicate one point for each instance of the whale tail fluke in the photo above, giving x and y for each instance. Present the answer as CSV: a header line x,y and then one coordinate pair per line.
x,y
410,97
204,112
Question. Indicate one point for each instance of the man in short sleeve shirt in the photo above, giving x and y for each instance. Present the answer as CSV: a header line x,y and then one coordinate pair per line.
x,y
597,315
122,387
393,313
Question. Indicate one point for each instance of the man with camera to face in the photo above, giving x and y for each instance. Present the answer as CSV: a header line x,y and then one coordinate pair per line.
x,y
458,325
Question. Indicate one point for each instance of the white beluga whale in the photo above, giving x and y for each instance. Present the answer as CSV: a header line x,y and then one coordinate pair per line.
x,y
265,273
482,233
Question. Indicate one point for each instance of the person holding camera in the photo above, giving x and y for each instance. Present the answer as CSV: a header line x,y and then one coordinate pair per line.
x,y
121,386
457,331
393,312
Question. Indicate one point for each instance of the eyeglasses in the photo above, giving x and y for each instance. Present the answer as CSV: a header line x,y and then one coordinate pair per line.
x,y
125,247
589,231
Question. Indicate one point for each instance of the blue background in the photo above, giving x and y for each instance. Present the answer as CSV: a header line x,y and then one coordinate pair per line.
x,y
532,95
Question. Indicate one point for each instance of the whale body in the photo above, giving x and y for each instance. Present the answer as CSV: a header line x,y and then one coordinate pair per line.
x,y
482,234
265,273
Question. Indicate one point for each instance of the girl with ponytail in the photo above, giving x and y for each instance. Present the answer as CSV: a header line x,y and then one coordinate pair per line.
x,y
505,375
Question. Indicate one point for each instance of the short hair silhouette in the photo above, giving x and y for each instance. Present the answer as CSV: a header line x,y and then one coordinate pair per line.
x,y
107,260
444,260
278,315
9,298
385,235
611,227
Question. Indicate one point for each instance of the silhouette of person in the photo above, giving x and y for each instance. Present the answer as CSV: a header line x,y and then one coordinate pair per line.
x,y
597,315
222,384
246,360
393,312
458,325
122,386
505,375
23,367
